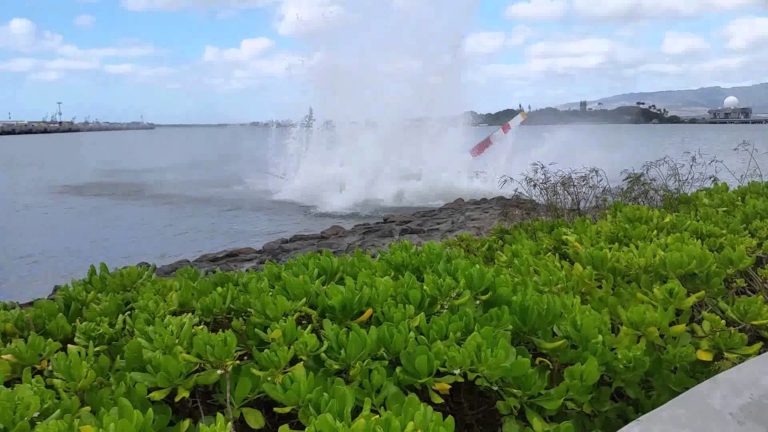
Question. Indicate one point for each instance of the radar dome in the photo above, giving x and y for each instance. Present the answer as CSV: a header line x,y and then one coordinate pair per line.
x,y
731,102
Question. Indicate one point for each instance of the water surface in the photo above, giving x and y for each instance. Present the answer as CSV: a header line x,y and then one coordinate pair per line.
x,y
71,200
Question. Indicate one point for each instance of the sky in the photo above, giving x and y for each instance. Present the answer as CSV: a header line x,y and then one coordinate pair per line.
x,y
183,61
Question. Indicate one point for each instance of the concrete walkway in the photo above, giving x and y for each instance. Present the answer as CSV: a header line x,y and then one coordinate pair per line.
x,y
733,401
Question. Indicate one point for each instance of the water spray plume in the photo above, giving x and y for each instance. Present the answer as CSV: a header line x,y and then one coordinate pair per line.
x,y
389,74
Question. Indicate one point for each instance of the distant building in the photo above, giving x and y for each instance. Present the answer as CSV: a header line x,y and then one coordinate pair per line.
x,y
730,111
583,106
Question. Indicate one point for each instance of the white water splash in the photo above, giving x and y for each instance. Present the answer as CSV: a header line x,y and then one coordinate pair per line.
x,y
386,62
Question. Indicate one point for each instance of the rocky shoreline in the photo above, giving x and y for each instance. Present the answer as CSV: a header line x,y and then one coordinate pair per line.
x,y
476,217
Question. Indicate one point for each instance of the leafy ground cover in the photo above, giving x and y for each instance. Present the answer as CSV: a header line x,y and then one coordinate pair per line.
x,y
544,326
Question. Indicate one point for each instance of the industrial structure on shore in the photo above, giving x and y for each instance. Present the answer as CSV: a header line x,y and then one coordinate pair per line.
x,y
26,128
731,112
56,124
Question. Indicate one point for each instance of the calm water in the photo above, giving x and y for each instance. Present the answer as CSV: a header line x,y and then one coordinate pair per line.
x,y
67,201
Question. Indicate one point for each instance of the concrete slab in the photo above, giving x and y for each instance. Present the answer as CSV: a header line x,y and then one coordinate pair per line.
x,y
734,401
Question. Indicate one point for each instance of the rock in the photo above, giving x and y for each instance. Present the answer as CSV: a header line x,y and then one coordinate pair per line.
x,y
475,217
273,246
227,255
304,237
170,269
333,231
406,230
399,219
386,231
459,203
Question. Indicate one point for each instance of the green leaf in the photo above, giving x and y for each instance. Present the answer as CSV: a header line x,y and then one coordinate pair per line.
x,y
549,402
677,330
435,398
208,377
535,420
747,350
181,393
159,394
283,410
5,371
242,389
591,372
254,418
705,355
549,346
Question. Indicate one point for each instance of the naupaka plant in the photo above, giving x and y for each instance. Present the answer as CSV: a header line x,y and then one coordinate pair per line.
x,y
548,325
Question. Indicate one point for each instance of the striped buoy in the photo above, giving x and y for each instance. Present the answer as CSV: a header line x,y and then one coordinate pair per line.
x,y
495,137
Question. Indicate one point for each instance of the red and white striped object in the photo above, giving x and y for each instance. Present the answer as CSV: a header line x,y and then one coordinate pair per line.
x,y
495,137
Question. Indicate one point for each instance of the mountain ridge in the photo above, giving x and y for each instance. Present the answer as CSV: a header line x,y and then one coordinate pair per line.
x,y
690,102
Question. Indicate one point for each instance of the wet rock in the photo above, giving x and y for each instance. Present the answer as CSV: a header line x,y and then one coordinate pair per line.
x,y
228,255
333,231
406,230
305,237
170,269
476,217
398,219
273,246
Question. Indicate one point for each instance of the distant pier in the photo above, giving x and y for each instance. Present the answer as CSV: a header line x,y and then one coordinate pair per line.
x,y
737,121
28,128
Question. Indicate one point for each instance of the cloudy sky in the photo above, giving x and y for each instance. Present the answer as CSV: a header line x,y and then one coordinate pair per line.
x,y
243,60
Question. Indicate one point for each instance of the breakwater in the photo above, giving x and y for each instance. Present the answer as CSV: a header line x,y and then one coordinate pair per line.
x,y
475,217
28,128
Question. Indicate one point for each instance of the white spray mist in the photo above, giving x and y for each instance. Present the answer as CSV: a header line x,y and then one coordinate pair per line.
x,y
382,64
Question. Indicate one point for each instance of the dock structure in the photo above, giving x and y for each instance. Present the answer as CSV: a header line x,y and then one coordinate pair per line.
x,y
753,120
28,128
732,113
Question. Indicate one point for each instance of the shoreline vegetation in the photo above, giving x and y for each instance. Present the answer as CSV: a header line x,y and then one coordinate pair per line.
x,y
581,307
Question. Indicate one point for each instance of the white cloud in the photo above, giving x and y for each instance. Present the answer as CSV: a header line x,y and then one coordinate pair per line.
x,y
19,65
21,34
247,65
84,21
116,51
519,35
744,33
683,43
24,64
248,49
138,71
45,76
564,56
575,47
484,43
172,5
301,17
120,69
537,10
660,68
623,9
65,64
724,64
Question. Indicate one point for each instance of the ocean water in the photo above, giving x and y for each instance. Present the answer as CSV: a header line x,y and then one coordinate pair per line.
x,y
71,200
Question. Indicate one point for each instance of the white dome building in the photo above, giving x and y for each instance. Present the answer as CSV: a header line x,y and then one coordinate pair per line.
x,y
730,112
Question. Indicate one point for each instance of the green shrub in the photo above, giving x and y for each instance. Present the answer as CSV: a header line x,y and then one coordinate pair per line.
x,y
545,326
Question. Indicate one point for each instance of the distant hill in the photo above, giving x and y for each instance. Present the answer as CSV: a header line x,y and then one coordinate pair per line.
x,y
689,102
